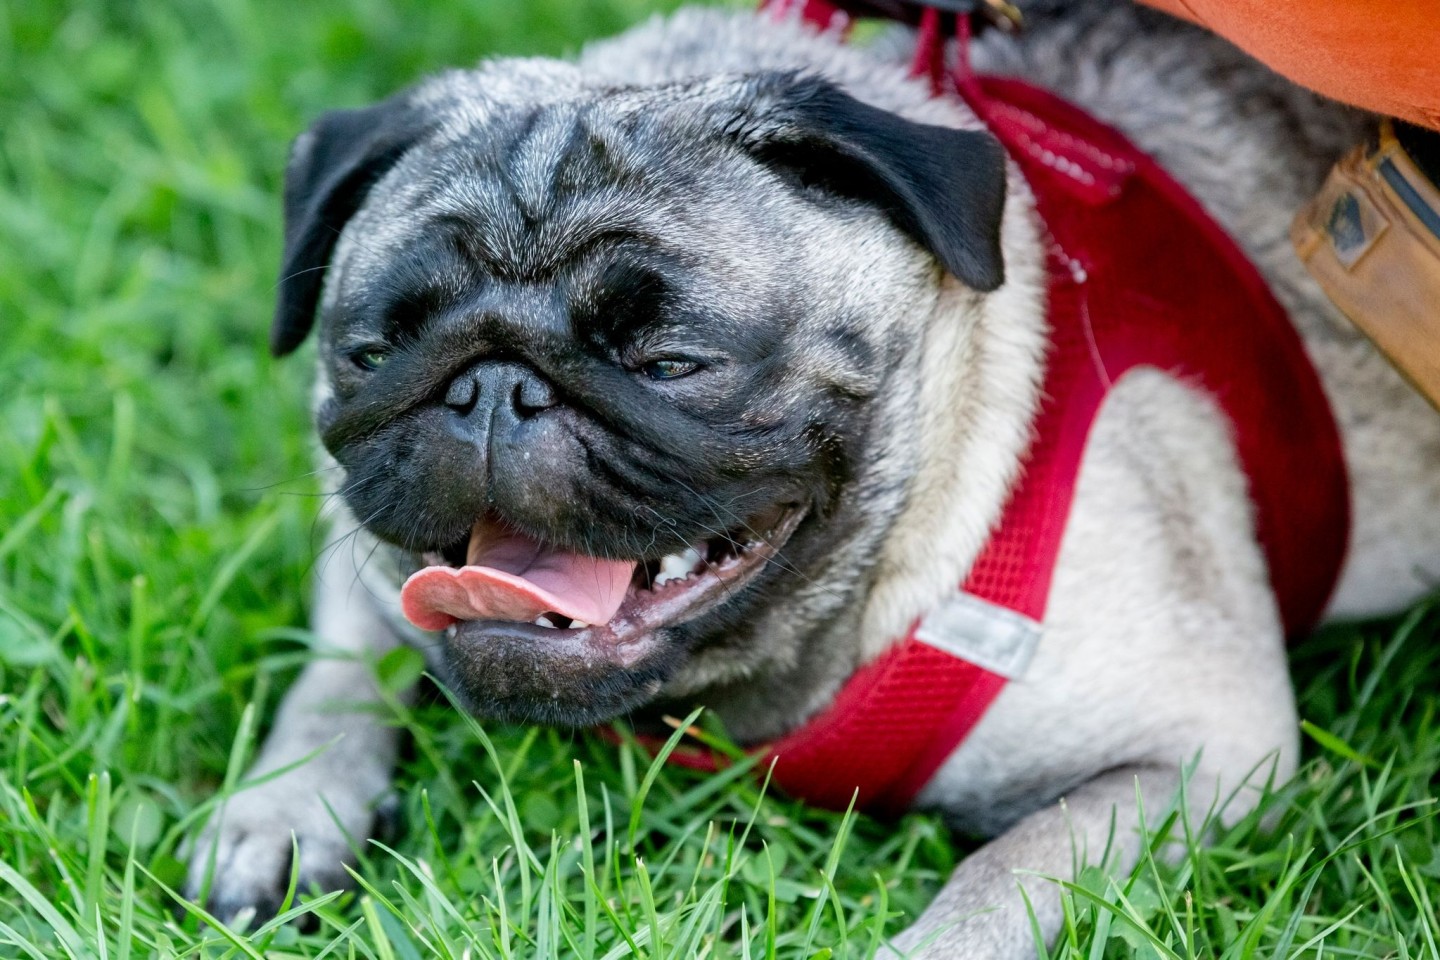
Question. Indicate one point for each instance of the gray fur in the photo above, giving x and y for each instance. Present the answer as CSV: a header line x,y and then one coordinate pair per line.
x,y
1179,656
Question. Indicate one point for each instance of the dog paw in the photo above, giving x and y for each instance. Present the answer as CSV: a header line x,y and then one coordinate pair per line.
x,y
253,838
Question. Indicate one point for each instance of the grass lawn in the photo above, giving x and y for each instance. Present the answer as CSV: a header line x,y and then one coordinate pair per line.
x,y
157,531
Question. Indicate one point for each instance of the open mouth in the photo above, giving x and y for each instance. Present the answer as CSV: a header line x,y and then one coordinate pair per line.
x,y
500,576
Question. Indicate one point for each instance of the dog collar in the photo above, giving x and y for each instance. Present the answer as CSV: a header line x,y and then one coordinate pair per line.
x,y
1139,276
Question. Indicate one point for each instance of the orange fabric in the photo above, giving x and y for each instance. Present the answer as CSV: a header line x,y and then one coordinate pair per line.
x,y
1383,55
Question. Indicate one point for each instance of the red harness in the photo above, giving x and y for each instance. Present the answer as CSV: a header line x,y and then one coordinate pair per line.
x,y
1139,276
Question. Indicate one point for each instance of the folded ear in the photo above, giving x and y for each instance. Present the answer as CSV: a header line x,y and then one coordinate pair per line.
x,y
944,188
332,167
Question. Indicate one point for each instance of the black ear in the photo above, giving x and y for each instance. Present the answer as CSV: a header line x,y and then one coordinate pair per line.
x,y
332,167
944,188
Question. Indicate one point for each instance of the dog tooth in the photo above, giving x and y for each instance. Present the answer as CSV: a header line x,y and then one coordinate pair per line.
x,y
544,621
578,624
678,566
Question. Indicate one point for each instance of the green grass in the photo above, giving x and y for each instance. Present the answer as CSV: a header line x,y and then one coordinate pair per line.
x,y
157,528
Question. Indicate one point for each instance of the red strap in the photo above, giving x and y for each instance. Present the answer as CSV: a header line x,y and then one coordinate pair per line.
x,y
819,13
1140,275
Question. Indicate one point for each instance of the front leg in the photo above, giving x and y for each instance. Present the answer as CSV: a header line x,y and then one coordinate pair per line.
x,y
1162,643
981,913
333,716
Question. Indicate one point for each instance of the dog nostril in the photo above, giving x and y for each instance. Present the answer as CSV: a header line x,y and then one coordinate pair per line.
x,y
463,393
533,395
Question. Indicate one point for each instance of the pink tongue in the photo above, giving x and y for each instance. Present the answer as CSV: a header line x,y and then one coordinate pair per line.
x,y
511,577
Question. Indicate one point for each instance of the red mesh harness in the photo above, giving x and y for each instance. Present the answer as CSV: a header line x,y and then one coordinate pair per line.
x,y
1139,275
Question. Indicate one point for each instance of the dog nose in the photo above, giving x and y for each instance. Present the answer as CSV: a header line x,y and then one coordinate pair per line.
x,y
499,388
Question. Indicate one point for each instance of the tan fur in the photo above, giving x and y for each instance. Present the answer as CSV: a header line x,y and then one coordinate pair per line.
x,y
980,380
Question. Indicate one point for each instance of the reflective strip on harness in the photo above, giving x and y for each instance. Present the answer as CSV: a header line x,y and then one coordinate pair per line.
x,y
992,637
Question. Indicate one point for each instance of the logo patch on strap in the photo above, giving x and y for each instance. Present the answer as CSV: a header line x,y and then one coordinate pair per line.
x,y
992,637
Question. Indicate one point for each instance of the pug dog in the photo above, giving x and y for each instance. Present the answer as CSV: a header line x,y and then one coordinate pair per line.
x,y
732,334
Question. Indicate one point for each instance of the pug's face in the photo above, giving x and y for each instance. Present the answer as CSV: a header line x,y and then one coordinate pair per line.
x,y
610,364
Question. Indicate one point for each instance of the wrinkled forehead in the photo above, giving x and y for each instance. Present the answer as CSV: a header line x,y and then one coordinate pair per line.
x,y
529,181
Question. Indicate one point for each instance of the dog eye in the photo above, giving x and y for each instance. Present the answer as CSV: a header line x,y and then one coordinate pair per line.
x,y
371,358
669,369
